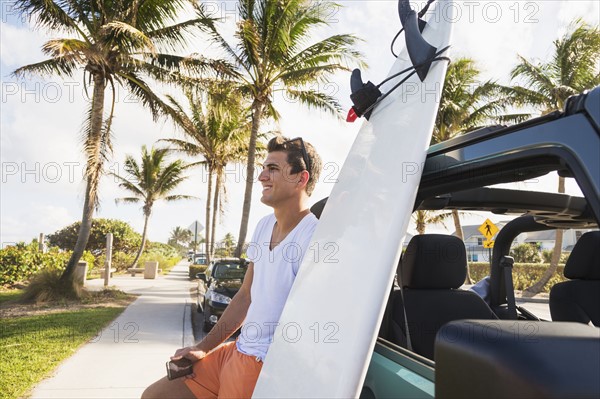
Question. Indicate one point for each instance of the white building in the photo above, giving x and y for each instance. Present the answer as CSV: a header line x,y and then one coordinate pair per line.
x,y
477,253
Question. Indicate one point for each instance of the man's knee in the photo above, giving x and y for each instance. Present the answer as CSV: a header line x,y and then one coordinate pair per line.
x,y
164,388
159,389
151,392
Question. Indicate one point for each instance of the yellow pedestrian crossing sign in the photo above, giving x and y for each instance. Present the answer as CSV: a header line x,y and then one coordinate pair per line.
x,y
488,229
488,244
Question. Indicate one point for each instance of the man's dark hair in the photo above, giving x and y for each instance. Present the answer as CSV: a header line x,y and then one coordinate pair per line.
x,y
298,152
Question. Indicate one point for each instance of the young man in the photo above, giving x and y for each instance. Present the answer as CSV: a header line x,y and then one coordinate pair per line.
x,y
278,246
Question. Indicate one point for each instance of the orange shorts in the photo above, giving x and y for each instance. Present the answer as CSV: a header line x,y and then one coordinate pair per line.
x,y
225,373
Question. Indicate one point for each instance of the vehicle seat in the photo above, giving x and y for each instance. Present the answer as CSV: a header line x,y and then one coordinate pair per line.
x,y
579,299
431,271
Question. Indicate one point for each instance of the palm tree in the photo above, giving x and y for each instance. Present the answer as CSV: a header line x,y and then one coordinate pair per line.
x,y
466,104
547,86
151,181
228,244
218,131
271,53
111,42
180,236
422,218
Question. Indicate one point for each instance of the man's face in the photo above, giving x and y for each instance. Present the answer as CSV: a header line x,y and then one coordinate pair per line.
x,y
279,184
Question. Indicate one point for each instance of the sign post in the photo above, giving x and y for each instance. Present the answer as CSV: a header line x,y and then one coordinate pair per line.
x,y
108,262
196,228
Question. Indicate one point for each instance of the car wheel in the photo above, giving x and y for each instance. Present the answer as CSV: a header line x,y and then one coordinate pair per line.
x,y
207,324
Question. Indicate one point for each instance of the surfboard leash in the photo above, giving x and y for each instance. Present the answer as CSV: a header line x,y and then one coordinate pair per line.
x,y
421,26
366,96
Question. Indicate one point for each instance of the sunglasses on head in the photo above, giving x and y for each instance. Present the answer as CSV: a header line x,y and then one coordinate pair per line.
x,y
305,156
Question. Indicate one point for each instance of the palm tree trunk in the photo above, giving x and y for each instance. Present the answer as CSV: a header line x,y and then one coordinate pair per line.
x,y
207,217
94,172
215,211
144,233
549,272
420,222
459,234
257,111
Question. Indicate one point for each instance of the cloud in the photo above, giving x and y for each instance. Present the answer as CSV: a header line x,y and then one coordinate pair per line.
x,y
26,221
38,126
20,46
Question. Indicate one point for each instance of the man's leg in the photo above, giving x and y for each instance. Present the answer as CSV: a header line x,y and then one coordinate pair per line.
x,y
205,383
238,376
165,389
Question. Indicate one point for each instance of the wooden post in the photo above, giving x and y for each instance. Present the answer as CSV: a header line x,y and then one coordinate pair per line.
x,y
41,243
108,262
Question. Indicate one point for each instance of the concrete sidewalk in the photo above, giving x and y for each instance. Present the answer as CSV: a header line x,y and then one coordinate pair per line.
x,y
130,353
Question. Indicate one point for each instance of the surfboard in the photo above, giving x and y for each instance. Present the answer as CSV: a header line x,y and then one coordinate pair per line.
x,y
327,331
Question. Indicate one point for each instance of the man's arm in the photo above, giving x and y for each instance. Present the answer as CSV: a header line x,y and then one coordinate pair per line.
x,y
230,321
232,317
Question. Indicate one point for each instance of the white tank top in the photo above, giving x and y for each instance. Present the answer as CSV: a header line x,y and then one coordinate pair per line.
x,y
274,274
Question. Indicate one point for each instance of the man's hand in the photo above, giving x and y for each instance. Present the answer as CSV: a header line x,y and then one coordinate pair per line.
x,y
191,352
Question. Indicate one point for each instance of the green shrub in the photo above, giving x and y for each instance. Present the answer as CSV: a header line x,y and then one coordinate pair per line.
x,y
21,262
479,270
526,253
119,260
165,263
124,237
46,286
163,249
195,269
524,274
547,256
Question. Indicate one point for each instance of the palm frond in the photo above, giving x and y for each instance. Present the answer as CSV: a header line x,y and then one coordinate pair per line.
x,y
128,39
53,15
63,66
186,147
174,36
195,65
127,200
536,77
180,197
317,100
140,90
78,50
209,24
335,51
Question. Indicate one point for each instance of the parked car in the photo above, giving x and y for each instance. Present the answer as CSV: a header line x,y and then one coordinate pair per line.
x,y
199,259
439,340
217,286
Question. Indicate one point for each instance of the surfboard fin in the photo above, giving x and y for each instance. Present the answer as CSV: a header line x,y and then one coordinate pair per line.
x,y
419,50
363,96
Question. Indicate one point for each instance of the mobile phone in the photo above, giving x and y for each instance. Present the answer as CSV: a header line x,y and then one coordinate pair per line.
x,y
179,368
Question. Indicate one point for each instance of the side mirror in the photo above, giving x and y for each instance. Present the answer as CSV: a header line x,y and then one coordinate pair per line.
x,y
201,276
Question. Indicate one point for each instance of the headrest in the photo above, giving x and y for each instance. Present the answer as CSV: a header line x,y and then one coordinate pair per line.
x,y
584,261
433,261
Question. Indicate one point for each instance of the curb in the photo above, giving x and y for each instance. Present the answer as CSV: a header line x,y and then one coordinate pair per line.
x,y
532,300
187,338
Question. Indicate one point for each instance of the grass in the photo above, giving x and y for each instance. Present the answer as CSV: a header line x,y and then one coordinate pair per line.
x,y
33,346
10,295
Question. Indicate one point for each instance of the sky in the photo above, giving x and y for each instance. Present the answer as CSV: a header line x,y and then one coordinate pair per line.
x,y
40,119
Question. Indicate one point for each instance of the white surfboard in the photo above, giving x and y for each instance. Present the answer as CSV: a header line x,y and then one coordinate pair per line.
x,y
327,332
